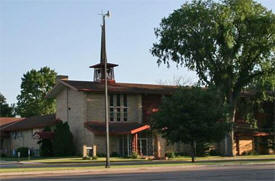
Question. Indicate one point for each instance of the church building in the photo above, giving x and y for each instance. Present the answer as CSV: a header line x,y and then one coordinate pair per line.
x,y
130,106
82,105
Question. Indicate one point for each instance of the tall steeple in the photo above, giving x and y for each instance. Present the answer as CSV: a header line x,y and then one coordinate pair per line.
x,y
103,56
99,69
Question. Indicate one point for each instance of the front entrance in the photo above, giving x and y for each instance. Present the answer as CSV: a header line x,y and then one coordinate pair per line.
x,y
143,146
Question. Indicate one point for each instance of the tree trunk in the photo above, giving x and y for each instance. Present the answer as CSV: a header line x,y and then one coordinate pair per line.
x,y
193,145
230,136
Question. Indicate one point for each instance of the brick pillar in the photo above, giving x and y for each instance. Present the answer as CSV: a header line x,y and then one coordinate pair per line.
x,y
135,143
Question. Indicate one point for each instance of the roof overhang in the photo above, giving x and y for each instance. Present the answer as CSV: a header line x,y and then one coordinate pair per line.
x,y
99,128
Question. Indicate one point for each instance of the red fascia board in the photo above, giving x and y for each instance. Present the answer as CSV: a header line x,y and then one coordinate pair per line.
x,y
140,129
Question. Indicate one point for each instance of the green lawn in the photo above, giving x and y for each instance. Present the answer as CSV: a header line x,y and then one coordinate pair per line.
x,y
69,159
120,159
187,158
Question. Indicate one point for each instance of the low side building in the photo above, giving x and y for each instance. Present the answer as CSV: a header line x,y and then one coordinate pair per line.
x,y
23,132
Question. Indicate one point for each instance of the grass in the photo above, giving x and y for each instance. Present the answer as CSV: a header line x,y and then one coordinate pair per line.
x,y
120,159
187,158
90,168
68,159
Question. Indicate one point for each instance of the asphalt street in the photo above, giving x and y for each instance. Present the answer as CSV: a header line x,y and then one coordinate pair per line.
x,y
213,173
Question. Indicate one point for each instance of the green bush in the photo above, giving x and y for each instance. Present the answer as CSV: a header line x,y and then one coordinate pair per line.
x,y
115,154
170,155
134,155
94,158
23,151
63,144
101,154
214,152
86,158
202,149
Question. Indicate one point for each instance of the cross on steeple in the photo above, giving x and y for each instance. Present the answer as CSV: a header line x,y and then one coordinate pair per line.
x,y
99,69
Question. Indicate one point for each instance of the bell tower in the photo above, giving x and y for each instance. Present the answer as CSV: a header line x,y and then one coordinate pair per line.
x,y
99,69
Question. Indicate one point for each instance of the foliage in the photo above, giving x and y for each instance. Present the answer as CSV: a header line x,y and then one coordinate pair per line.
x,y
63,144
5,109
191,116
170,155
34,87
134,155
228,43
46,148
23,151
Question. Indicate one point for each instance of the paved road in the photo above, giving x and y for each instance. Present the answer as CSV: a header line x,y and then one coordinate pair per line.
x,y
211,173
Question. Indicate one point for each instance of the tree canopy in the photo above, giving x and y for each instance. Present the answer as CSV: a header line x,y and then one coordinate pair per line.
x,y
34,87
191,116
228,43
5,109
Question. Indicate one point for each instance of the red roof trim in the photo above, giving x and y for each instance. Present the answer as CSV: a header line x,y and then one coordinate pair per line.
x,y
134,131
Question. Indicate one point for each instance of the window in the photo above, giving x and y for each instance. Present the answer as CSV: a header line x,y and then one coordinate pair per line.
x,y
118,100
125,111
111,114
111,100
118,109
118,114
111,107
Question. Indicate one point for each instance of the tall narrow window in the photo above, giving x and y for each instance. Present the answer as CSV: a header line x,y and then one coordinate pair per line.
x,y
118,107
111,114
111,100
125,107
111,107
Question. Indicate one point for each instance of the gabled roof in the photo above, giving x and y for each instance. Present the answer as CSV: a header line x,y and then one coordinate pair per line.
x,y
130,88
98,128
31,123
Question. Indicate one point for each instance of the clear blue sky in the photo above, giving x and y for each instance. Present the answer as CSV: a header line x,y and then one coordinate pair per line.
x,y
65,36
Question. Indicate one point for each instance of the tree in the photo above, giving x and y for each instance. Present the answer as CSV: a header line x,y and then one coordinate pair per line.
x,y
191,116
5,109
46,148
34,87
228,43
63,140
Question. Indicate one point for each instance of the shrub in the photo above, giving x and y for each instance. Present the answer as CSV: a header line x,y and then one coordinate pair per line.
x,y
115,154
101,154
63,140
46,148
170,155
134,155
86,158
94,158
202,149
23,151
214,152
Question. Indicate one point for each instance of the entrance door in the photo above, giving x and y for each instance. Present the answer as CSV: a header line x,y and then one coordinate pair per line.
x,y
143,146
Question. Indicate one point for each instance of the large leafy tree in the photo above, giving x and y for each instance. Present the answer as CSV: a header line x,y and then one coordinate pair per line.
x,y
5,109
192,116
228,43
34,87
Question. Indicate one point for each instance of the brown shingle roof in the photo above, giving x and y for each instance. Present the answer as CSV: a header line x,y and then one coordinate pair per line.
x,y
33,122
89,86
5,121
98,128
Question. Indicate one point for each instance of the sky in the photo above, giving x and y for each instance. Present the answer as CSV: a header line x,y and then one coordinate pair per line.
x,y
65,36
